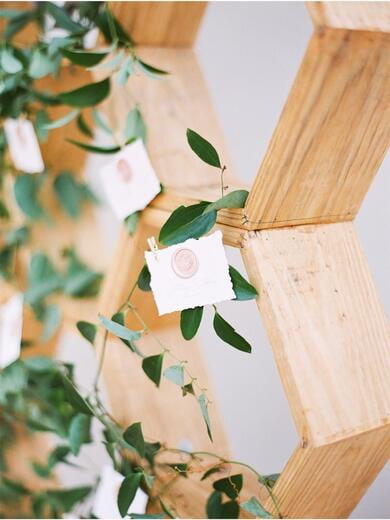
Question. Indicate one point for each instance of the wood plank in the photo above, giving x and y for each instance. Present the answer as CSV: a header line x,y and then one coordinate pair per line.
x,y
332,134
361,16
329,481
171,24
327,328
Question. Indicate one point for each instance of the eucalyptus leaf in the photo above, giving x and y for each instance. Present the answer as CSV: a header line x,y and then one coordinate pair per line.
x,y
135,127
62,121
242,289
203,149
234,199
83,127
175,374
202,400
127,492
9,63
79,432
187,222
190,321
131,222
43,279
227,333
63,20
65,499
41,65
119,330
84,58
71,194
26,189
254,507
214,505
150,70
89,95
125,71
144,279
133,435
95,149
79,280
231,485
74,397
18,236
87,330
100,122
152,366
51,321
270,480
4,213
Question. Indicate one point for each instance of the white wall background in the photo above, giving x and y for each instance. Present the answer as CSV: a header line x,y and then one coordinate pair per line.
x,y
250,53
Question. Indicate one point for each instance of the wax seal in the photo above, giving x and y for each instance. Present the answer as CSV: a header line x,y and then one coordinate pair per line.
x,y
124,170
185,263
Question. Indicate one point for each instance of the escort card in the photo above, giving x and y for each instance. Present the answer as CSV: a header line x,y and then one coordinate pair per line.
x,y
190,274
11,319
129,180
105,501
23,145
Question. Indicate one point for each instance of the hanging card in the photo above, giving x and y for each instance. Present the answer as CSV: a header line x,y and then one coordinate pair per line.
x,y
23,145
105,501
11,319
190,274
130,181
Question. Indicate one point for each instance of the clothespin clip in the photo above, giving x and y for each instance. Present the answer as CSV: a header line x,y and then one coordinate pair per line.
x,y
153,247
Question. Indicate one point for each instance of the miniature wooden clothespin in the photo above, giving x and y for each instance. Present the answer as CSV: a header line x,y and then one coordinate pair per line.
x,y
153,247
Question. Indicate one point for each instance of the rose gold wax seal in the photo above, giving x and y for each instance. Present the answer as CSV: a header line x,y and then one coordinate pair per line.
x,y
124,170
185,263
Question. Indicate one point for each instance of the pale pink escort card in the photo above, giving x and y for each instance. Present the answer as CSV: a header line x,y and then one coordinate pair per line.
x,y
105,500
23,145
190,274
11,320
129,180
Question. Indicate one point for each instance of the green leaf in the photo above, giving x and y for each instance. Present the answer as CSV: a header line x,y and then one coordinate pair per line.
x,y
119,330
230,509
26,189
83,127
150,70
74,398
214,505
41,120
131,222
127,492
188,389
43,279
65,499
51,321
125,71
18,236
100,122
234,199
4,213
120,318
202,399
227,333
6,262
175,374
187,222
231,486
270,480
9,63
242,289
140,516
71,194
17,23
203,149
86,96
83,58
40,364
254,507
143,281
87,330
62,121
190,321
94,149
40,65
79,432
135,127
63,20
133,435
79,280
210,472
152,366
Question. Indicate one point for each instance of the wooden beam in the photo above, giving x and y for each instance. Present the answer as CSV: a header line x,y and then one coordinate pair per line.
x,y
331,137
329,481
165,24
360,16
327,328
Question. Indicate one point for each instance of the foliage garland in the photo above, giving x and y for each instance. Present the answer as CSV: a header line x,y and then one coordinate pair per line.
x,y
40,393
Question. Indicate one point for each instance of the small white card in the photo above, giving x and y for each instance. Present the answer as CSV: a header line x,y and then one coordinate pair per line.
x,y
105,501
190,274
11,320
130,181
23,145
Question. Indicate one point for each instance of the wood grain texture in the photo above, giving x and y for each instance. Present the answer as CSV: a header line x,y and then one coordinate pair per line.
x,y
361,16
169,107
327,328
332,134
170,24
329,481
